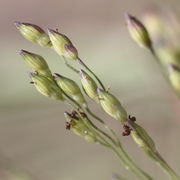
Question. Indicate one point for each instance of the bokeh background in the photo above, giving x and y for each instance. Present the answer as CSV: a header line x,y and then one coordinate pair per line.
x,y
34,144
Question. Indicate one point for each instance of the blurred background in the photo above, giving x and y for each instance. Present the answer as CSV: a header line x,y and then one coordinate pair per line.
x,y
34,144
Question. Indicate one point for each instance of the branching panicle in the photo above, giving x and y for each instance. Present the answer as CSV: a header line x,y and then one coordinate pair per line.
x,y
81,120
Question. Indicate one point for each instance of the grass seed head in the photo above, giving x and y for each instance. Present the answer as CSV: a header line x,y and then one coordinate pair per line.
x,y
138,31
89,86
46,86
112,106
62,45
80,128
33,33
70,87
36,62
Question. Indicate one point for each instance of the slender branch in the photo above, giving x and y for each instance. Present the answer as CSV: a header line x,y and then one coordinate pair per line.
x,y
69,66
132,162
118,144
105,125
127,162
129,167
88,69
153,52
154,154
164,164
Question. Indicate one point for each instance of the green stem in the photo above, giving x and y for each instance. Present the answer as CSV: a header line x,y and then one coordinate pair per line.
x,y
158,158
163,164
107,144
132,163
95,129
105,125
153,52
88,69
122,151
69,66
166,167
102,143
77,105
129,167
152,152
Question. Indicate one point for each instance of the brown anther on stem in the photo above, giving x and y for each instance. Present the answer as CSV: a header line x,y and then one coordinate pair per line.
x,y
126,133
125,126
31,82
127,130
74,115
132,118
83,114
68,125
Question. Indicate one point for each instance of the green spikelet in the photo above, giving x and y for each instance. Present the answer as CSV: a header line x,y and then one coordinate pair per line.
x,y
89,86
36,62
138,31
46,86
62,45
33,33
70,88
112,106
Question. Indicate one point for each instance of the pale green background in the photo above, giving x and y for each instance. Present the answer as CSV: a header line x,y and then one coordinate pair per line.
x,y
33,138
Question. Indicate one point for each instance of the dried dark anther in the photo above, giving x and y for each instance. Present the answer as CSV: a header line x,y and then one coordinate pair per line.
x,y
127,130
68,125
31,82
125,126
83,114
126,133
74,115
132,118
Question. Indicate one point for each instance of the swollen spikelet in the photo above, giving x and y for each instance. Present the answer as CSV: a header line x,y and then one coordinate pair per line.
x,y
33,33
70,88
112,106
36,62
138,31
89,86
62,45
46,86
